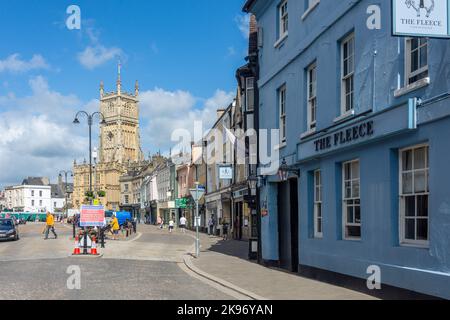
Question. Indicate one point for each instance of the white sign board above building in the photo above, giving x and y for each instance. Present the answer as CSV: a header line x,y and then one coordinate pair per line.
x,y
421,18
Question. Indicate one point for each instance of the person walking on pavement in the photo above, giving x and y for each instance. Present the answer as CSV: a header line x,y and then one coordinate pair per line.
x,y
171,225
210,226
183,224
225,230
50,226
115,227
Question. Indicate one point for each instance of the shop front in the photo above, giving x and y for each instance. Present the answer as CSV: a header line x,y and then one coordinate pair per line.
x,y
243,219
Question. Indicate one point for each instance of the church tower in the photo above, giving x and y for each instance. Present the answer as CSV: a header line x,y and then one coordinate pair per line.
x,y
119,138
120,147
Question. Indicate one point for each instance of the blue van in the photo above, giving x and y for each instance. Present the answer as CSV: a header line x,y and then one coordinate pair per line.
x,y
122,216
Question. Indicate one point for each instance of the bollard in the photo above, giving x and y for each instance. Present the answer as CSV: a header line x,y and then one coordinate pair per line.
x,y
102,238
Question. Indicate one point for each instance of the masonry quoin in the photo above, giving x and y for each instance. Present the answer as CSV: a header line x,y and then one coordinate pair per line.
x,y
345,136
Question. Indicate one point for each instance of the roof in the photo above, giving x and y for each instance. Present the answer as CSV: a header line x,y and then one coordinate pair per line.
x,y
57,191
35,181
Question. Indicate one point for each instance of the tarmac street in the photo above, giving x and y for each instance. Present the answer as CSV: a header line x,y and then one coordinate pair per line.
x,y
143,267
150,265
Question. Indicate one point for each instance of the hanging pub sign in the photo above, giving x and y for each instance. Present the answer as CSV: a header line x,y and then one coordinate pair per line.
x,y
226,173
421,18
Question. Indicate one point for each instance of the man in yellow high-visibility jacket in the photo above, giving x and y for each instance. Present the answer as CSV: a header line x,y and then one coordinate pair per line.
x,y
115,227
50,226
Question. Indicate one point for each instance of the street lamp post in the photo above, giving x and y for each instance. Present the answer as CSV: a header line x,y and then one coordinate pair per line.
x,y
66,173
90,119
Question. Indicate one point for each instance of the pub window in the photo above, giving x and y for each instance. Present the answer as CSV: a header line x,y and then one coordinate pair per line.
x,y
318,226
283,19
282,107
312,97
416,59
347,74
414,194
351,200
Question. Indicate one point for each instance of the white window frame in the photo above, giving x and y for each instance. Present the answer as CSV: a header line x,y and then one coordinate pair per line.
x,y
403,196
312,98
283,19
249,88
318,208
282,95
352,180
408,61
312,4
349,76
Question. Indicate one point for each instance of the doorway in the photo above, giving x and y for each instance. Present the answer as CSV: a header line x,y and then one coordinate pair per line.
x,y
288,235
238,220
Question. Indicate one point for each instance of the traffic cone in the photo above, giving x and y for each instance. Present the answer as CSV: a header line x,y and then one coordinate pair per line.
x,y
94,247
76,250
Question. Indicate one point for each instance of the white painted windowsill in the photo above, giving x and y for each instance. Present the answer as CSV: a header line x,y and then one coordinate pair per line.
x,y
344,116
281,40
280,146
310,9
415,245
308,133
412,87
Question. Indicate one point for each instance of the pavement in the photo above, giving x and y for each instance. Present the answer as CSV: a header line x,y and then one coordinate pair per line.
x,y
227,262
150,265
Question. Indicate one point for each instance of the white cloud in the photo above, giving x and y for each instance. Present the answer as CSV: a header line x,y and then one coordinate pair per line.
x,y
38,137
93,57
14,64
168,111
243,23
220,100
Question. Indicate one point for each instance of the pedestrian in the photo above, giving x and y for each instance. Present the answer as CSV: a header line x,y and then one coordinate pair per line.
x,y
225,230
115,227
50,226
183,224
210,226
171,225
161,223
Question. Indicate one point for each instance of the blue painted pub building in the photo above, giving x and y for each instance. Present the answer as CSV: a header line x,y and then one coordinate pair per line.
x,y
365,118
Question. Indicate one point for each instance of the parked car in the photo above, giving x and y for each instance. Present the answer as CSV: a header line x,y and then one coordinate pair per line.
x,y
9,230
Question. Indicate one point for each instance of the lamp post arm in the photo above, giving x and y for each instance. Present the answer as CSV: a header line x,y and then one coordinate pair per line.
x,y
82,112
102,117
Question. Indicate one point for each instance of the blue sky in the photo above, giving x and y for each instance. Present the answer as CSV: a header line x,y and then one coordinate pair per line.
x,y
183,52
